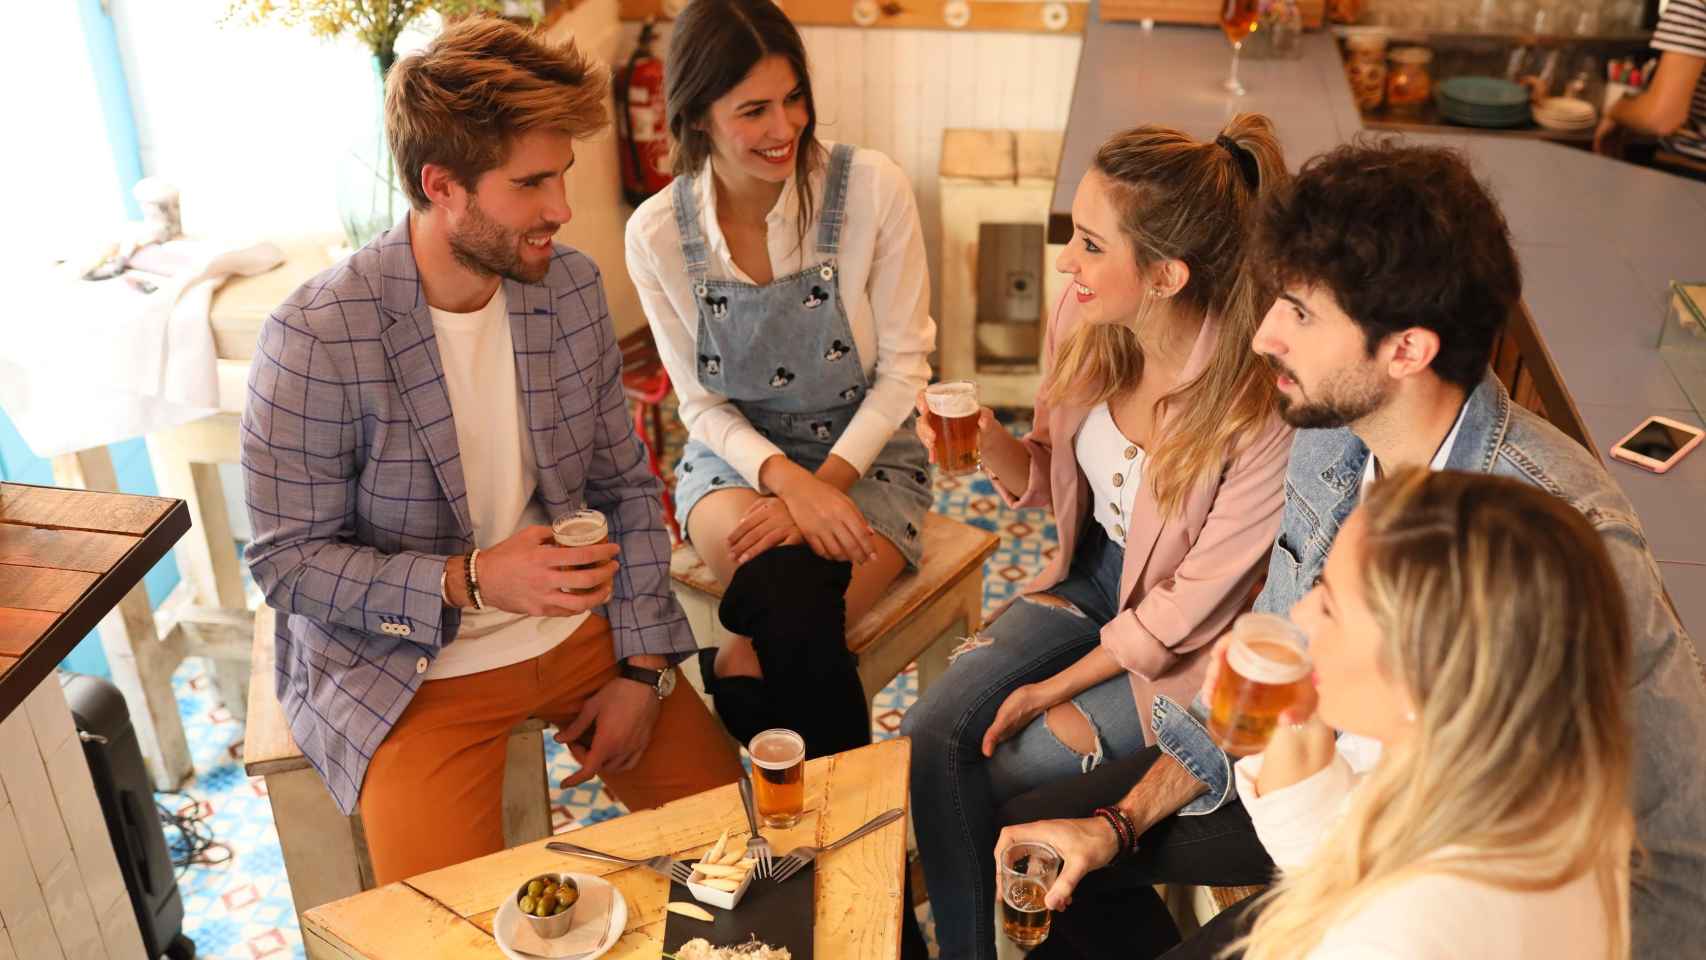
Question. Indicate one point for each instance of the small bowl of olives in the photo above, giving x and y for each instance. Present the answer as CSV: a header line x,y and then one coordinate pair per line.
x,y
548,902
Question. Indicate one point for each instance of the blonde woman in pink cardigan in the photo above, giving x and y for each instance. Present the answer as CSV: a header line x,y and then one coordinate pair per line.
x,y
1156,445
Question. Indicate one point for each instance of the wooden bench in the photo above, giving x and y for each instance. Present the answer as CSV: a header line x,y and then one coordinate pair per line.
x,y
325,852
918,619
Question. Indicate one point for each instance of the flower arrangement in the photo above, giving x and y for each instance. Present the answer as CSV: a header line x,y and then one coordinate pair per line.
x,y
376,23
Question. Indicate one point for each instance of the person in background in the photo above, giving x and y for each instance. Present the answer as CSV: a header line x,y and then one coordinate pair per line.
x,y
418,414
1396,277
1156,444
784,279
1673,107
1473,630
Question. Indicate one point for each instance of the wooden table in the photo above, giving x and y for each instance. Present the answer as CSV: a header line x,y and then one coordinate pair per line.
x,y
67,558
448,913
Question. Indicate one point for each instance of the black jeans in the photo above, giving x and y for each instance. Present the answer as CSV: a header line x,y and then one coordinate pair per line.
x,y
1115,911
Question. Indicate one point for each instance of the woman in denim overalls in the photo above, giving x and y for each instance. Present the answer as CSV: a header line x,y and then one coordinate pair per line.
x,y
785,283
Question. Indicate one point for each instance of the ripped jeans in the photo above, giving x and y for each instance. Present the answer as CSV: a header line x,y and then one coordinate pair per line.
x,y
956,790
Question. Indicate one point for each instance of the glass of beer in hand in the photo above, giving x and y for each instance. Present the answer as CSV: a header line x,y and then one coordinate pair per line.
x,y
1264,673
954,415
779,781
1027,871
583,528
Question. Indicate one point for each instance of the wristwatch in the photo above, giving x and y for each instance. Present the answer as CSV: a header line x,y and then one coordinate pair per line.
x,y
662,681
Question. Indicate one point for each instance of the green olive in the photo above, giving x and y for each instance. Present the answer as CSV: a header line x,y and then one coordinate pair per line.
x,y
550,888
528,904
535,888
544,906
562,905
568,895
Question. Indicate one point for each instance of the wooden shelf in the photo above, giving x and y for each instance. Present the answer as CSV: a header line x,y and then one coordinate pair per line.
x,y
1024,16
1521,38
1427,120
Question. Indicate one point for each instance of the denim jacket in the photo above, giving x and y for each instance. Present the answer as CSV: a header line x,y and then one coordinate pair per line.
x,y
1322,487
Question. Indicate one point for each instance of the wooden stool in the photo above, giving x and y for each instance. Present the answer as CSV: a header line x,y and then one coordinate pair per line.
x,y
918,619
325,852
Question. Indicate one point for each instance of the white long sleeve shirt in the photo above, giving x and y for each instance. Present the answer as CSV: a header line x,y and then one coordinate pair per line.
x,y
1431,916
885,287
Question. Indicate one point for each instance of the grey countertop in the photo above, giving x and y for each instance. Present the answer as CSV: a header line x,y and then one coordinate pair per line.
x,y
1599,240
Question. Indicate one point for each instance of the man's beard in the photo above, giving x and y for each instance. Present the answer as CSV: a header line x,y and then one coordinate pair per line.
x,y
1345,399
486,246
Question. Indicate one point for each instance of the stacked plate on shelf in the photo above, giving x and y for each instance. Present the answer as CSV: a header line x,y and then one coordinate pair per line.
x,y
1566,114
1483,102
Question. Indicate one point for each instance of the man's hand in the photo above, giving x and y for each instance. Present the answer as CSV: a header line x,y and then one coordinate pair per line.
x,y
527,574
621,715
1023,705
1084,845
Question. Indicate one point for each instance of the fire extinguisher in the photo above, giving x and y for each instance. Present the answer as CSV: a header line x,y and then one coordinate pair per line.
x,y
641,139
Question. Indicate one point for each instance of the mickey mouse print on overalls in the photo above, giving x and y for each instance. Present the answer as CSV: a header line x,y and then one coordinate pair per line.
x,y
783,353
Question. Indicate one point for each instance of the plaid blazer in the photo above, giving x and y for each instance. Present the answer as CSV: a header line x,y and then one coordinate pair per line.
x,y
355,488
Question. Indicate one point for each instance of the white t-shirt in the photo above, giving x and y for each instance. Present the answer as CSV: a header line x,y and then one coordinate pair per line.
x,y
501,474
885,287
1114,467
1431,916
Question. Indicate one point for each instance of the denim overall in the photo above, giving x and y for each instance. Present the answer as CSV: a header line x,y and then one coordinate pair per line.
x,y
784,354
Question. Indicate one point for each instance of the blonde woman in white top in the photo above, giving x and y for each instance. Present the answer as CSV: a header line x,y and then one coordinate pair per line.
x,y
1473,627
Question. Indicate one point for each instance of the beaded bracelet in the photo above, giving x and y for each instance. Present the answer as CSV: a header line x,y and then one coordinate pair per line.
x,y
473,577
1124,830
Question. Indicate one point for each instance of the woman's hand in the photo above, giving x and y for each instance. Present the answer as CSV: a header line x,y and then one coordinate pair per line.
x,y
767,523
986,422
1084,845
1023,705
1610,139
828,519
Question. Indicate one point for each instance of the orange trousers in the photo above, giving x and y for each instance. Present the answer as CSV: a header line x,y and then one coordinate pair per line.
x,y
433,795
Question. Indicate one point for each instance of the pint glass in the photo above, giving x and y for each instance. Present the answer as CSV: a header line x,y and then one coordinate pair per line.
x,y
779,787
583,528
1027,871
1265,669
954,413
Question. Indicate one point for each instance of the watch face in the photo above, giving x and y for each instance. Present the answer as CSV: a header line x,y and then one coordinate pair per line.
x,y
666,682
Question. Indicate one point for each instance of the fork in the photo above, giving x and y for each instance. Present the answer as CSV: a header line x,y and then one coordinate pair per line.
x,y
757,847
663,863
798,857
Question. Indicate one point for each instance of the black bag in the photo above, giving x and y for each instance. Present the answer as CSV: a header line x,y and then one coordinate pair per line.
x,y
127,801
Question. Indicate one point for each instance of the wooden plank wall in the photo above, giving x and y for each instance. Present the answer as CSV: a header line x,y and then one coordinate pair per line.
x,y
897,90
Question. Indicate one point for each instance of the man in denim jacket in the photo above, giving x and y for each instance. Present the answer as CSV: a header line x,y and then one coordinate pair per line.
x,y
1396,274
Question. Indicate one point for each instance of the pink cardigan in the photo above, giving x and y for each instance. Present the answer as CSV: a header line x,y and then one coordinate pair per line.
x,y
1186,577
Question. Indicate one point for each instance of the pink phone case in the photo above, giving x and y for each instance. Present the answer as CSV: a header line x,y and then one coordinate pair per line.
x,y
1648,463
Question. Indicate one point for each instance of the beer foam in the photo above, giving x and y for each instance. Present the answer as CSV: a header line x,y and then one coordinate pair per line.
x,y
777,749
579,528
1270,660
952,399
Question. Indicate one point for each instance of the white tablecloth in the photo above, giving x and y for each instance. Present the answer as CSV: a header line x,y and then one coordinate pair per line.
x,y
88,363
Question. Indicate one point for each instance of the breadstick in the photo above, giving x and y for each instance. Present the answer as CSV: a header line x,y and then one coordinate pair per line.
x,y
732,855
721,883
690,910
717,870
715,854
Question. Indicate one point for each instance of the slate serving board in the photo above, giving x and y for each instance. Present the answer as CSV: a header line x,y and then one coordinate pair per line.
x,y
781,914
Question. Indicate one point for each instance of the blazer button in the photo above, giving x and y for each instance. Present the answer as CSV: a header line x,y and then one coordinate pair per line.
x,y
1119,480
1131,452
1119,530
1115,507
421,665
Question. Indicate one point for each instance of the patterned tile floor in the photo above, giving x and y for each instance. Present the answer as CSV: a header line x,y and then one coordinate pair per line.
x,y
240,909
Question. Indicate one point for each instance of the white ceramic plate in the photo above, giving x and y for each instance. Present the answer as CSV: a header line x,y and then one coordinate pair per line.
x,y
509,915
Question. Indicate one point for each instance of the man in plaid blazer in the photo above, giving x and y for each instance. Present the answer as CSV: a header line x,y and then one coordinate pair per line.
x,y
417,416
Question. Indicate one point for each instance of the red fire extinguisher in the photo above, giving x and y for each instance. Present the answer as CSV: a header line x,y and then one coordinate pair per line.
x,y
641,139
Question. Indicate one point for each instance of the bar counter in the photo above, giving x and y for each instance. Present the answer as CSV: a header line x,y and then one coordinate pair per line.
x,y
1599,240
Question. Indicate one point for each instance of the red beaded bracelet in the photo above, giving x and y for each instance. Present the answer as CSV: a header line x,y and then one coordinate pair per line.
x,y
1124,830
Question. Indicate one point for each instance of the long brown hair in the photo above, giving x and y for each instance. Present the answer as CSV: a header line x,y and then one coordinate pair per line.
x,y
1501,615
714,45
1182,199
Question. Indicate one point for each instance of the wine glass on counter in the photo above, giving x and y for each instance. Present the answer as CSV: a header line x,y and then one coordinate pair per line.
x,y
1238,20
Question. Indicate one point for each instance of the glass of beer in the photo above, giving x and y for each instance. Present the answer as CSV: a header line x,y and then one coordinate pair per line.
x,y
1265,669
1027,871
954,413
583,528
779,789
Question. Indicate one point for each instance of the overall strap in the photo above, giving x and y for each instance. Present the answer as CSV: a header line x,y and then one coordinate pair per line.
x,y
687,223
834,199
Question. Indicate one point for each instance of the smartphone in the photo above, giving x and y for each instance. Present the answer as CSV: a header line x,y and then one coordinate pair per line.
x,y
1657,444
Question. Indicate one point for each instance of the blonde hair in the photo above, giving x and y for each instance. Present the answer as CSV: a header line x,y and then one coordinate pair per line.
x,y
1181,199
1500,613
460,101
